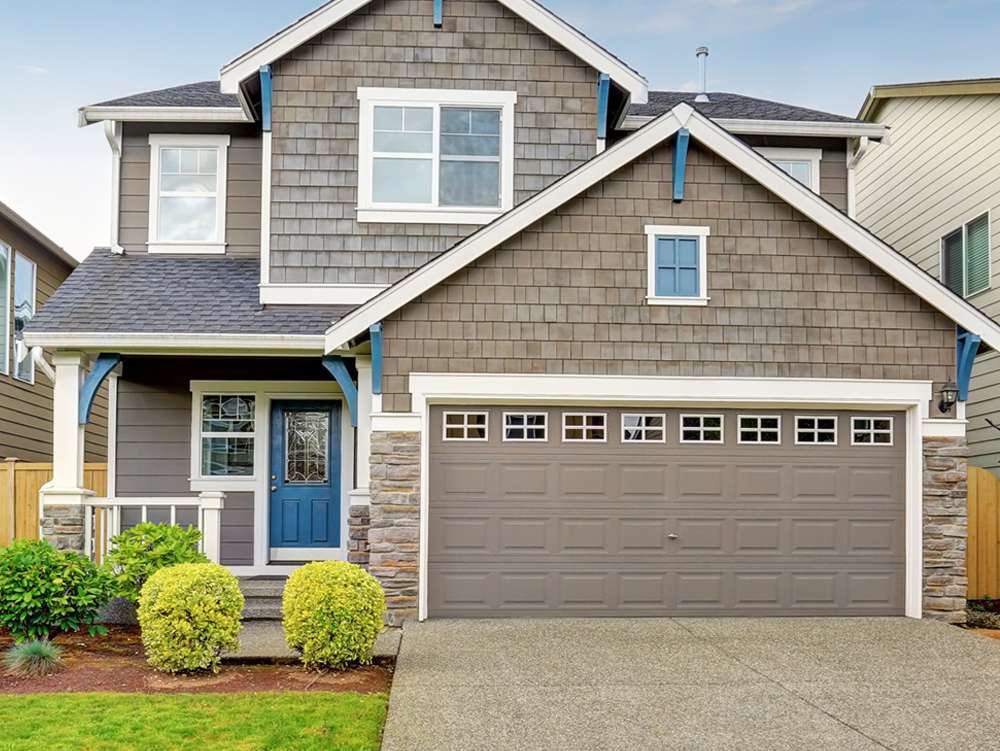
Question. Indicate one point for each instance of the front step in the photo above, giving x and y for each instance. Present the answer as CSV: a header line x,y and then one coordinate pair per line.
x,y
263,597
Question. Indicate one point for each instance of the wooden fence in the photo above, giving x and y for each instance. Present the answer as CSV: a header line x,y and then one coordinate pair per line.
x,y
19,485
983,552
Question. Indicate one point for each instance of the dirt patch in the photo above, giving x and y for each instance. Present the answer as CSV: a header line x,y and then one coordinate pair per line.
x,y
116,663
992,633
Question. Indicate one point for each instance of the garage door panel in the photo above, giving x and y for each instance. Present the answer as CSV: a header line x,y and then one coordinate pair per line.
x,y
553,528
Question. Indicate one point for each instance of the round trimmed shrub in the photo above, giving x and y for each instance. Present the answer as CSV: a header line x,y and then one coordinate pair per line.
x,y
44,591
189,615
142,550
332,613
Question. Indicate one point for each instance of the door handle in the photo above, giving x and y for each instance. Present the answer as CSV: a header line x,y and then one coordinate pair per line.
x,y
274,488
672,536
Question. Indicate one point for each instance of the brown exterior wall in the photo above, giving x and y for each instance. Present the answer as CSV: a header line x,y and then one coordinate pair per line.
x,y
567,295
242,185
315,238
26,409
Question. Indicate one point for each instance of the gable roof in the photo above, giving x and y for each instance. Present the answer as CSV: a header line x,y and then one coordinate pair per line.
x,y
718,140
744,114
18,221
962,87
298,33
203,101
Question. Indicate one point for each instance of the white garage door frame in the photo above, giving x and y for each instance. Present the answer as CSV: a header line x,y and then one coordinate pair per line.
x,y
427,389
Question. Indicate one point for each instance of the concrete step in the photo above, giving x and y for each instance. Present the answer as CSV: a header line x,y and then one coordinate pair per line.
x,y
262,596
264,588
262,610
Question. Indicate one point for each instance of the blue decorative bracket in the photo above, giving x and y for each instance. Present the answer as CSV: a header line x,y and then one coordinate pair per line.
x,y
966,349
680,163
103,365
338,369
438,14
603,95
376,336
266,97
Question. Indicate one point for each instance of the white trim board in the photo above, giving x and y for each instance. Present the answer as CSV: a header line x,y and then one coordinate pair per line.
x,y
88,115
307,27
874,131
429,389
195,343
718,140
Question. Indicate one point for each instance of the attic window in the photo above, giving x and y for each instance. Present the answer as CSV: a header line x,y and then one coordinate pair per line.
x,y
802,164
435,156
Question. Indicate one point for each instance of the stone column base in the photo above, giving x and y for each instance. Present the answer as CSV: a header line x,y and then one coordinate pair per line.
x,y
945,504
357,544
63,526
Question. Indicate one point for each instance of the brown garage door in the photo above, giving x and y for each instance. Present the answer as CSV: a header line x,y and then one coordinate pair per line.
x,y
570,512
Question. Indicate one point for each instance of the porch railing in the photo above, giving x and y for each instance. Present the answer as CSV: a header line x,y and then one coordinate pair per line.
x,y
107,517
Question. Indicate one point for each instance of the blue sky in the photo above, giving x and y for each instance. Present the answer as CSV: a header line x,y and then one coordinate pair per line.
x,y
60,54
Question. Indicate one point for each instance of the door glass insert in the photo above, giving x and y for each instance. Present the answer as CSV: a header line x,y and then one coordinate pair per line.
x,y
307,447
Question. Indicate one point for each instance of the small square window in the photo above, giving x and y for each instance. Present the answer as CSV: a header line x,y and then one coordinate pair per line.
x,y
702,429
868,431
677,258
466,426
816,430
760,429
525,426
644,428
585,427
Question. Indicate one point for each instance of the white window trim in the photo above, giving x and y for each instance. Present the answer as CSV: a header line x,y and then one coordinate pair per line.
x,y
370,212
158,141
584,427
465,427
13,315
644,428
702,428
815,431
758,430
964,229
653,231
872,432
7,315
526,415
782,153
201,481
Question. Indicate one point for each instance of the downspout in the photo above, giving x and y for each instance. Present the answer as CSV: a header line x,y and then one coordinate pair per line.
x,y
852,163
113,132
266,111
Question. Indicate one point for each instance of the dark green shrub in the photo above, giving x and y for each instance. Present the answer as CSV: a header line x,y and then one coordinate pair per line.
x,y
332,613
33,658
138,553
44,591
190,614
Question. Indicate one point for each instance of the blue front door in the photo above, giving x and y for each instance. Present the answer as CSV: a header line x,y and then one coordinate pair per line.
x,y
305,474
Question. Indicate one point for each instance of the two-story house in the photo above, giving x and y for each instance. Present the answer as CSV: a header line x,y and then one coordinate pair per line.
x,y
443,288
934,198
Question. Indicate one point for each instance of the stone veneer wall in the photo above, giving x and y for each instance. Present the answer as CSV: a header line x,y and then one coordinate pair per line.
x,y
394,532
62,526
945,528
358,521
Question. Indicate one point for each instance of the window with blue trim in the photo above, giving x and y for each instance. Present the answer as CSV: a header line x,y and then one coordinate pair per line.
x,y
677,259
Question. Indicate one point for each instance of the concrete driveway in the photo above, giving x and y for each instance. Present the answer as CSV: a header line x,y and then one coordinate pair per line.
x,y
880,683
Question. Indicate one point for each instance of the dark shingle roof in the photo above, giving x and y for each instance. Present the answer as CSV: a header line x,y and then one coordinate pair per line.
x,y
202,94
153,294
733,106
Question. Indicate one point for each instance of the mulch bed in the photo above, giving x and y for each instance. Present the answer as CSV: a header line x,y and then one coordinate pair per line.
x,y
116,663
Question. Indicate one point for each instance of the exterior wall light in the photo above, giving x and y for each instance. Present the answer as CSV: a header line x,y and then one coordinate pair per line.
x,y
949,396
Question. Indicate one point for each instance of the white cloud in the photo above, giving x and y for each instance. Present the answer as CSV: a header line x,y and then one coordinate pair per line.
x,y
32,70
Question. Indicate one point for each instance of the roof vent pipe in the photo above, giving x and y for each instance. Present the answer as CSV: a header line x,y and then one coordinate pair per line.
x,y
702,54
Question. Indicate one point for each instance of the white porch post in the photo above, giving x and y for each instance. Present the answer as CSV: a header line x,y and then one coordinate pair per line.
x,y
362,492
211,503
64,497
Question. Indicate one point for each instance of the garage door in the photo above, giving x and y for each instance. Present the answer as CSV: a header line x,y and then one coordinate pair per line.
x,y
625,512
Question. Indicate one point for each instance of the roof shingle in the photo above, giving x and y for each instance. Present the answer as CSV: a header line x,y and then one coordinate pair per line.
x,y
725,106
201,94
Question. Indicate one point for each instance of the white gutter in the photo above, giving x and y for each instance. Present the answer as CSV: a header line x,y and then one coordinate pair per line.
x,y
743,126
174,343
88,115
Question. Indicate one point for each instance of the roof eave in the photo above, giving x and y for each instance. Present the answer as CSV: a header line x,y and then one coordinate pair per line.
x,y
147,343
98,114
972,87
744,126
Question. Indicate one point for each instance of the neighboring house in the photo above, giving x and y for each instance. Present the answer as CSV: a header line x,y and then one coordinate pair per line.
x,y
31,268
459,299
934,197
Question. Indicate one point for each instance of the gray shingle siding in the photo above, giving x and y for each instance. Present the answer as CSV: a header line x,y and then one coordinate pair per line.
x,y
392,43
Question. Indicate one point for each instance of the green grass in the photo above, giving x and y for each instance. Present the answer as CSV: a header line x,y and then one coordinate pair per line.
x,y
235,722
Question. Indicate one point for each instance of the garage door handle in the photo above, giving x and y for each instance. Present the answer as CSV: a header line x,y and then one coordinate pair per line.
x,y
672,536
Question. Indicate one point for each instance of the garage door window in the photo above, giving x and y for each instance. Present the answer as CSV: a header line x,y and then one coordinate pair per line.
x,y
644,428
866,431
525,426
466,426
585,427
701,428
812,430
760,429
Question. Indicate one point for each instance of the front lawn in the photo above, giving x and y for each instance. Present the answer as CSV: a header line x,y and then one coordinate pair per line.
x,y
240,722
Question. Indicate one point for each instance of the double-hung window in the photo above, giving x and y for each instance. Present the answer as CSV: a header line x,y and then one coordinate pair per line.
x,y
677,259
187,193
5,308
25,284
802,164
227,435
435,156
965,258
